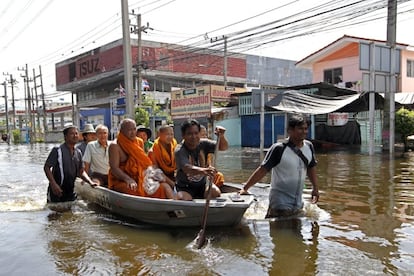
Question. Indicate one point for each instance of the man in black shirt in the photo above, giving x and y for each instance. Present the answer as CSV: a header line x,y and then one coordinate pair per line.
x,y
190,157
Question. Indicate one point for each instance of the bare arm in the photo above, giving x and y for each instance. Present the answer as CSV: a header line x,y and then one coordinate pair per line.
x,y
314,180
223,143
85,177
52,182
195,170
114,164
255,177
87,166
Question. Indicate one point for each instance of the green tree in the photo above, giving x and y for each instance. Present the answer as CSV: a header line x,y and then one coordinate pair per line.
x,y
150,107
141,116
404,124
16,136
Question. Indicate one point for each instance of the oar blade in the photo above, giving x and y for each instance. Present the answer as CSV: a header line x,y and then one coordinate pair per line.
x,y
201,239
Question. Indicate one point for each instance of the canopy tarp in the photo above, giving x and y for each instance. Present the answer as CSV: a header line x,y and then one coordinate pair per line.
x,y
403,98
296,102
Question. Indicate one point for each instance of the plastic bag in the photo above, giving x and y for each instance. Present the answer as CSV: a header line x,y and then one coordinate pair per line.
x,y
152,180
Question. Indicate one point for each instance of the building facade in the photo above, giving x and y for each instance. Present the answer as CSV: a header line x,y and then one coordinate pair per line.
x,y
96,77
363,65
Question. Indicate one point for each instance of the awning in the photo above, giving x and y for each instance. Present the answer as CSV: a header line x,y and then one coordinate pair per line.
x,y
296,102
404,98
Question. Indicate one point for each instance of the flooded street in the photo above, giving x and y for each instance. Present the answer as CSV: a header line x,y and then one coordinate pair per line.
x,y
363,224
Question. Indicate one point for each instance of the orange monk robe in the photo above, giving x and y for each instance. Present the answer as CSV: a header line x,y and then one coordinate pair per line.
x,y
165,158
135,166
218,177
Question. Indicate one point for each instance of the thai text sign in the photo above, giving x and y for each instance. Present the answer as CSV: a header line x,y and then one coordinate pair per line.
x,y
337,119
191,103
221,92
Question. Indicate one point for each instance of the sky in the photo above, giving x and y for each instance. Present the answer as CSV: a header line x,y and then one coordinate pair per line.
x,y
45,32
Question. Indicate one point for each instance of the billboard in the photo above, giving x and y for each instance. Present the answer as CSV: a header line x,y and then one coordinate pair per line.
x,y
191,103
197,102
220,93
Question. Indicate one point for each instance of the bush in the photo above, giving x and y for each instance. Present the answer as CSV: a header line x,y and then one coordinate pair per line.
x,y
404,124
16,136
141,116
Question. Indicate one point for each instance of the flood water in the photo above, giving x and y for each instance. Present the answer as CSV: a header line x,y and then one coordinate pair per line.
x,y
363,225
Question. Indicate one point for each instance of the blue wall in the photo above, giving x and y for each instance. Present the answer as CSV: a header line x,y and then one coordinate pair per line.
x,y
106,112
233,127
274,125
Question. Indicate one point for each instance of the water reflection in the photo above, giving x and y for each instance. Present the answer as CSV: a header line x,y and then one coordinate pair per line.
x,y
364,225
237,164
293,240
22,185
86,243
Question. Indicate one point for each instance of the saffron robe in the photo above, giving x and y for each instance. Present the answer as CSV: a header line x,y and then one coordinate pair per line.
x,y
135,166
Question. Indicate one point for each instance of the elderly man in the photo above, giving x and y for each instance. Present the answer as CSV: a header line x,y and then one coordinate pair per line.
x,y
96,156
62,166
128,162
88,135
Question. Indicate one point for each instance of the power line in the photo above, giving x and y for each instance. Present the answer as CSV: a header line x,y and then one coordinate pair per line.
x,y
16,17
252,38
6,8
22,30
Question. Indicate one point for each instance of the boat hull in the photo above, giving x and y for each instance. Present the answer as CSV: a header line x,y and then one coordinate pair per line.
x,y
227,210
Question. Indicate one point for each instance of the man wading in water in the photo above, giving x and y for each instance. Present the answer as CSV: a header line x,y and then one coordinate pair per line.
x,y
290,163
62,166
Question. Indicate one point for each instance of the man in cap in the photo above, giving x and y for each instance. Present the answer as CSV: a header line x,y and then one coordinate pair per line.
x,y
145,134
88,134
62,166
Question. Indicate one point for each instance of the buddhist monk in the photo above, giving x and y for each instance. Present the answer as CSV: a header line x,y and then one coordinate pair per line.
x,y
128,162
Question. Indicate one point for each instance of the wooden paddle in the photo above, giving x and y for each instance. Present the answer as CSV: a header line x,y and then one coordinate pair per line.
x,y
201,237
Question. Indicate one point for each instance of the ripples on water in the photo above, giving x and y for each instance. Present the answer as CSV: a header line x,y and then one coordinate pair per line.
x,y
362,225
23,186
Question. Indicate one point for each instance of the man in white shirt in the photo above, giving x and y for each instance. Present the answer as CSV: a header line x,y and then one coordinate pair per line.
x,y
289,164
96,156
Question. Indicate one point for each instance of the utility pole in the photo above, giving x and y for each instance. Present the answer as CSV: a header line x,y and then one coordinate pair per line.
x,y
225,63
12,82
28,98
37,100
138,29
224,38
139,60
43,99
7,111
391,41
371,97
388,135
130,106
35,116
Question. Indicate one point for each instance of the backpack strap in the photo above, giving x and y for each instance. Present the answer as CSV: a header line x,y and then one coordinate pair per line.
x,y
60,162
298,152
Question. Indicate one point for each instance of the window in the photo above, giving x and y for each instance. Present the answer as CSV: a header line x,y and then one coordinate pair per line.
x,y
72,71
382,58
410,68
333,76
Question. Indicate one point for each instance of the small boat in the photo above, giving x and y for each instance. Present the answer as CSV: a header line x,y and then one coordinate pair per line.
x,y
227,210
